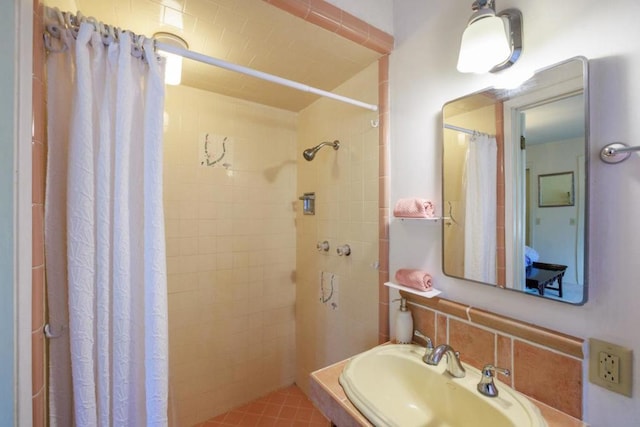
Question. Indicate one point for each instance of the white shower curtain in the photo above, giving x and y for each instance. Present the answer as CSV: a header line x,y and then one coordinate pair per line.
x,y
104,234
480,209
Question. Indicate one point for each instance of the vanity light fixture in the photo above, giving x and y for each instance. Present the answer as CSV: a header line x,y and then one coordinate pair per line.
x,y
491,42
173,67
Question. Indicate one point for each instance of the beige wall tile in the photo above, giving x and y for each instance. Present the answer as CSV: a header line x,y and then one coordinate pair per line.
x,y
230,268
342,181
38,285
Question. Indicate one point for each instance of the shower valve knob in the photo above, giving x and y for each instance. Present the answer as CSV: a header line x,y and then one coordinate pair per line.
x,y
322,246
344,250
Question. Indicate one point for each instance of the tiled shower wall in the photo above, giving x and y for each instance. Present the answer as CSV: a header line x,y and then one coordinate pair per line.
x,y
334,19
345,183
230,251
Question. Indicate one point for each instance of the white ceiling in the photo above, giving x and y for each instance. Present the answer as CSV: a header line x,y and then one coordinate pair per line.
x,y
251,33
559,120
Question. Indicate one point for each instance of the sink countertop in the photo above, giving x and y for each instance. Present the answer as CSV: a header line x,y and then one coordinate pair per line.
x,y
326,392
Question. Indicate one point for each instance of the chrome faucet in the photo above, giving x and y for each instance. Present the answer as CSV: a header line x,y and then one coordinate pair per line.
x,y
486,386
454,367
428,349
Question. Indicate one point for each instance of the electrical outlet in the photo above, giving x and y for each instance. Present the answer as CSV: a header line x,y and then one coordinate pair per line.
x,y
610,366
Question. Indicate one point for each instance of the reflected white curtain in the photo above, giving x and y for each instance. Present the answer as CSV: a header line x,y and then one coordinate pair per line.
x,y
104,234
480,209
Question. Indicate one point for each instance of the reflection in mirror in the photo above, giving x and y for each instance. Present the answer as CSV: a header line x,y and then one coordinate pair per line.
x,y
515,180
555,189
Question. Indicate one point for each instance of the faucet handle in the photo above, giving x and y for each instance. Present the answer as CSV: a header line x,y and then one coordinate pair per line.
x,y
488,371
486,386
428,348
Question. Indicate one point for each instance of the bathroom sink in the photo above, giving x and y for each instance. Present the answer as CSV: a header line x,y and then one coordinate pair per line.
x,y
392,386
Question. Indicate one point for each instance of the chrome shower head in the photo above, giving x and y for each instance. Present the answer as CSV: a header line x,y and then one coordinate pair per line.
x,y
310,153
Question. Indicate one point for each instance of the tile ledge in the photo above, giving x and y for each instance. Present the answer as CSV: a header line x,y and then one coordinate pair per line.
x,y
555,417
341,407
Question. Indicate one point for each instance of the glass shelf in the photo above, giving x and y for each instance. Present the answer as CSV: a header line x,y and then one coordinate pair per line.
x,y
426,294
435,219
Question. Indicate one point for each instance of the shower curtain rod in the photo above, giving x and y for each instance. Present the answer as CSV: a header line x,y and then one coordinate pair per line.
x,y
70,20
459,129
185,53
464,130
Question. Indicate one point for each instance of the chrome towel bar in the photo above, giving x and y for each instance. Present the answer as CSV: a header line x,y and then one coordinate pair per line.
x,y
616,152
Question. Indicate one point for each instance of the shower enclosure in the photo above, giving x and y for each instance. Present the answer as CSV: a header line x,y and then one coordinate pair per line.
x,y
243,272
244,277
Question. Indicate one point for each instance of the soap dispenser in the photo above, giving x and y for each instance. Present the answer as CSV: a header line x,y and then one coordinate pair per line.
x,y
404,323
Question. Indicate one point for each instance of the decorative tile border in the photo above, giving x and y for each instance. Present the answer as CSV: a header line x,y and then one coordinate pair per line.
x,y
336,20
566,344
39,149
383,197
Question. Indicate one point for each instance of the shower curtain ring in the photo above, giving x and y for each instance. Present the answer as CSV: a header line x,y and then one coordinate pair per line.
x,y
59,15
49,334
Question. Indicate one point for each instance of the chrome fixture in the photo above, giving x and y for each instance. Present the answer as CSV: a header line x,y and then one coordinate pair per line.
x,y
616,152
48,331
454,367
308,203
344,250
428,348
486,385
322,246
310,153
491,42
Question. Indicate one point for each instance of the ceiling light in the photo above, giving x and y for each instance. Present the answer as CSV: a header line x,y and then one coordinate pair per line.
x,y
491,42
173,66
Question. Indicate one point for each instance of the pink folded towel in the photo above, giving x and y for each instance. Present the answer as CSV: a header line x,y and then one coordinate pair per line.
x,y
416,279
414,208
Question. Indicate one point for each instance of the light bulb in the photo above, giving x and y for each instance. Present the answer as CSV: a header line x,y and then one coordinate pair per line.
x,y
484,45
173,63
173,68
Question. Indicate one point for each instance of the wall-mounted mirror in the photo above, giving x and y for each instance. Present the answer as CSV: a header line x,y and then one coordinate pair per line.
x,y
515,185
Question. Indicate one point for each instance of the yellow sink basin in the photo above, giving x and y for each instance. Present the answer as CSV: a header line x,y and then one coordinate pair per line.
x,y
392,386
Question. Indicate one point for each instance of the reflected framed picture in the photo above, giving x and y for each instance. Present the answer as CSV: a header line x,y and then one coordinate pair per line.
x,y
556,189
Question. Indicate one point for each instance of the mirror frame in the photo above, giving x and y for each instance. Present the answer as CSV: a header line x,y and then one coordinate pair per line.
x,y
512,248
543,202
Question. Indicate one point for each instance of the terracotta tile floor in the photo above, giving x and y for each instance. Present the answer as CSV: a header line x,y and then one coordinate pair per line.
x,y
282,408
